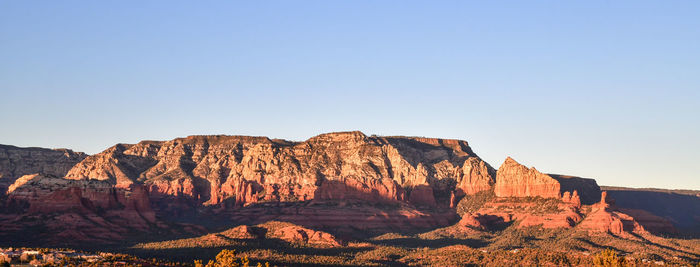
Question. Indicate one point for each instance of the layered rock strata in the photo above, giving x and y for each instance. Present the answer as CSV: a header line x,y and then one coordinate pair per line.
x,y
17,161
239,170
515,180
47,194
608,218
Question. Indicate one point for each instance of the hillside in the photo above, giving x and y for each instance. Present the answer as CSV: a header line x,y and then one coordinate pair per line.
x,y
331,198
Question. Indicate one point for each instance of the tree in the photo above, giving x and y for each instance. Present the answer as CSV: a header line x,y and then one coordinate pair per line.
x,y
608,258
227,258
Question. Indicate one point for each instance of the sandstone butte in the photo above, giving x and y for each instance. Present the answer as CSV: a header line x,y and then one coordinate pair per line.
x,y
238,170
131,183
516,180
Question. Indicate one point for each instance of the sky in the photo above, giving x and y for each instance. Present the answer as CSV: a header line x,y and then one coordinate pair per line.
x,y
602,89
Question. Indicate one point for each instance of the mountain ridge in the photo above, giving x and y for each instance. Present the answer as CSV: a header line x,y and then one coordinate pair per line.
x,y
347,185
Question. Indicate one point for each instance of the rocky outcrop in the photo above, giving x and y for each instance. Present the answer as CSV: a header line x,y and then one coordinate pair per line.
x,y
544,213
422,195
586,189
301,235
216,169
74,211
679,207
515,180
46,194
373,190
604,218
17,161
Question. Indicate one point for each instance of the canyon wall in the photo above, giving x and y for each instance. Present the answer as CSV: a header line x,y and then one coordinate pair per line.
x,y
515,180
17,161
240,169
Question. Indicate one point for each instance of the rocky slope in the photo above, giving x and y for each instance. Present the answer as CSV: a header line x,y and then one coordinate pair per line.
x,y
515,180
71,210
346,184
17,161
238,170
681,207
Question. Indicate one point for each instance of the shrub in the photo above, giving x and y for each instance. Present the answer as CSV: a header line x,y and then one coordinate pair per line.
x,y
608,258
227,258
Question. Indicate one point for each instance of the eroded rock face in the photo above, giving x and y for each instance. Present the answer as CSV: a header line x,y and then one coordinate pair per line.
x,y
17,161
298,234
214,169
586,190
606,217
516,180
374,190
47,194
73,211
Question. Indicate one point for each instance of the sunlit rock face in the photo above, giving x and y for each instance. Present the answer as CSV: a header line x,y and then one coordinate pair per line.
x,y
606,217
515,180
47,194
17,161
242,169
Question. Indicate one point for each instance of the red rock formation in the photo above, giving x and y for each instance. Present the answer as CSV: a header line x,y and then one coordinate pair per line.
x,y
516,180
373,190
481,221
542,213
45,194
208,168
422,195
472,221
567,218
298,234
240,232
603,218
16,162
572,198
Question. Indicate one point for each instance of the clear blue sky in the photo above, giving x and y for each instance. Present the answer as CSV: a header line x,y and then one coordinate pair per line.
x,y
601,89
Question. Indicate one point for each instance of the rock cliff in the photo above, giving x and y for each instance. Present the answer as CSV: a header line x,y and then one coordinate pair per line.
x,y
241,169
605,216
72,211
17,161
515,180
46,194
